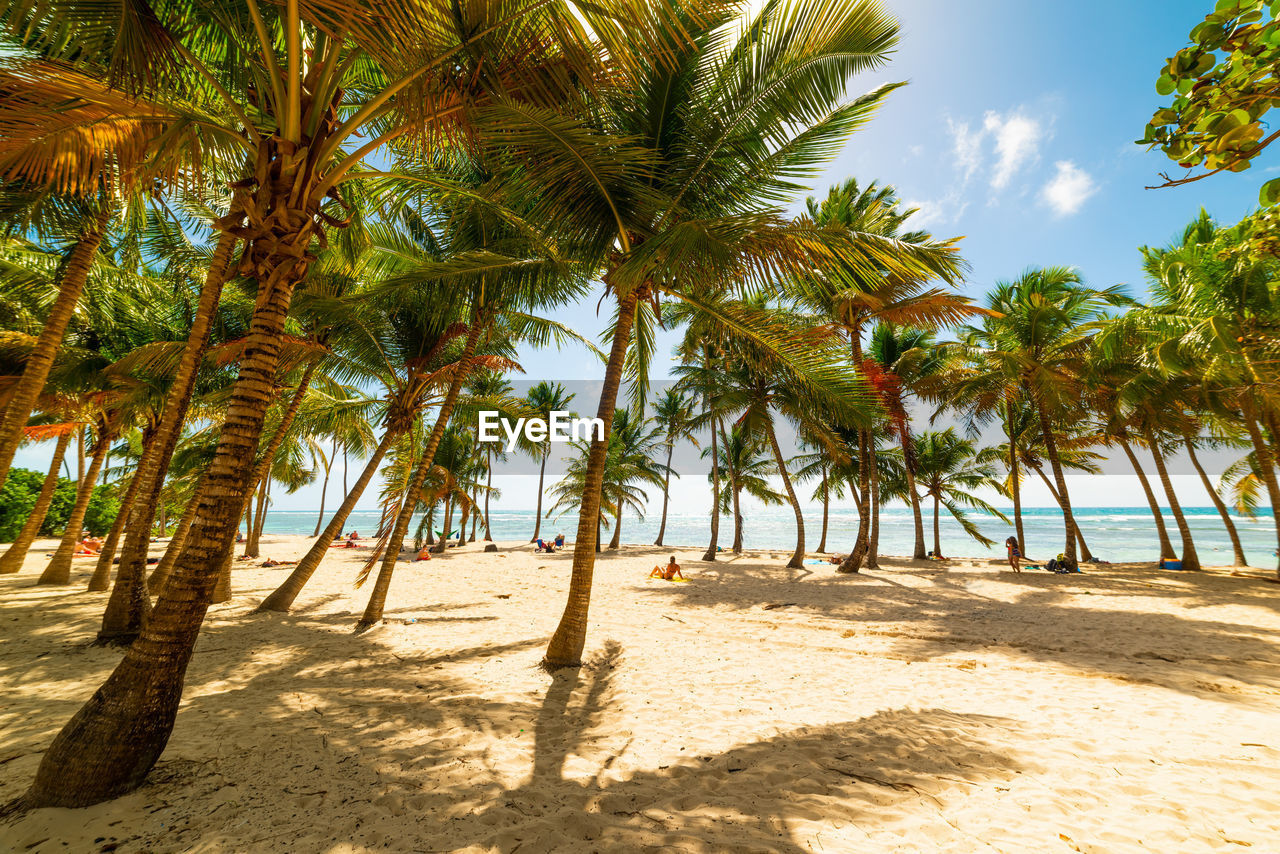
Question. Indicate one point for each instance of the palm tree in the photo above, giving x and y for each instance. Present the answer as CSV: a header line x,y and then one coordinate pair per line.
x,y
1033,347
950,467
490,384
543,399
304,98
14,556
743,458
852,299
679,193
674,413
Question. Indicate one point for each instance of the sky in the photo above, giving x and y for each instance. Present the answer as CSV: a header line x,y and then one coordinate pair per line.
x,y
1016,131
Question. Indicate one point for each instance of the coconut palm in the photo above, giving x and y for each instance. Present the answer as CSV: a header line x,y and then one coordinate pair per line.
x,y
950,468
745,459
674,413
853,299
543,399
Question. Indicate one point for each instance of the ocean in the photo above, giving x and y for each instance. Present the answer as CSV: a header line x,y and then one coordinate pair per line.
x,y
1113,533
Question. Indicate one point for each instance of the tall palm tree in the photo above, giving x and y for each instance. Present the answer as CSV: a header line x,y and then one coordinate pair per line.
x,y
852,299
674,413
543,399
950,468
316,79
744,458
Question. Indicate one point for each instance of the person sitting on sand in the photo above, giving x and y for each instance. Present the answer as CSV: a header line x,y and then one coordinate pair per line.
x,y
559,541
270,562
541,545
88,544
354,535
424,553
1015,554
835,560
668,572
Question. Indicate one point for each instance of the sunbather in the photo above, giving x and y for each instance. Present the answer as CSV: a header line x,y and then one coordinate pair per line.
x,y
668,572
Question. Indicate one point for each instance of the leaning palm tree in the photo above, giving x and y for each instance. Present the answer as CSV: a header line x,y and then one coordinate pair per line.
x,y
301,83
674,413
950,469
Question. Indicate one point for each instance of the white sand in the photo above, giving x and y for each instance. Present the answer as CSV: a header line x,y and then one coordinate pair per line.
x,y
907,709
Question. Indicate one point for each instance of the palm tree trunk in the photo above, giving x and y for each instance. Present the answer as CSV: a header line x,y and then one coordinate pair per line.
x,y
59,569
252,525
1166,547
35,369
441,546
565,648
1086,555
1266,462
863,541
80,458
462,525
1064,498
617,530
100,581
248,530
710,553
826,509
115,739
873,544
1015,479
378,597
324,490
155,582
1237,548
1190,560
537,517
153,465
937,531
282,598
488,488
666,488
16,554
736,488
797,556
918,552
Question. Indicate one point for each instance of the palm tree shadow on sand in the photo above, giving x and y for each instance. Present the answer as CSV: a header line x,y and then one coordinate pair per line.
x,y
770,794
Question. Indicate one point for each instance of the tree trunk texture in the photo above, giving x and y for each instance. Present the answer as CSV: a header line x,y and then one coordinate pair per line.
x,y
1064,498
488,488
1237,548
16,554
937,530
159,575
797,556
282,598
1190,560
666,494
542,473
58,570
35,369
617,530
1084,547
382,584
1166,547
918,549
100,582
1266,463
324,490
873,543
153,465
826,512
737,515
1015,481
565,648
110,745
713,546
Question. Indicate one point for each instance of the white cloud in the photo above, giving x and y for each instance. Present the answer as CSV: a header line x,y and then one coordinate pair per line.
x,y
1067,192
1017,144
934,212
967,146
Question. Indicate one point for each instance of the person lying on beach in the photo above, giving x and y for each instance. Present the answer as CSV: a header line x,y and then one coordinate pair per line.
x,y
835,560
424,553
270,562
1015,554
343,544
541,545
88,545
668,572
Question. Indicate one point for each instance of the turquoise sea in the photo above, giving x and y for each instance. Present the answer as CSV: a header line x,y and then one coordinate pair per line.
x,y
1113,533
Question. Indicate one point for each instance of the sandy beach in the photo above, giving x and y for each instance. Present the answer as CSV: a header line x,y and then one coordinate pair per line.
x,y
918,707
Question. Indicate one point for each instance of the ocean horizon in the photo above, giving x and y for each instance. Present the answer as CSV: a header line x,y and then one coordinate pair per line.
x,y
1113,533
